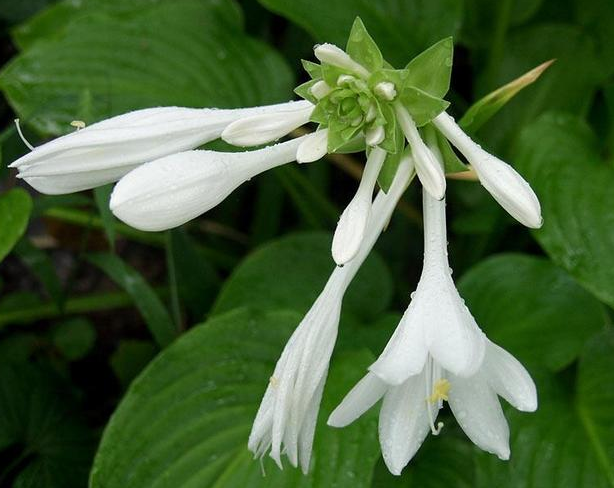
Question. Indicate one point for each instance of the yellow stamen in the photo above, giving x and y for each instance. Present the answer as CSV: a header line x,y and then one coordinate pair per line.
x,y
78,124
273,381
441,388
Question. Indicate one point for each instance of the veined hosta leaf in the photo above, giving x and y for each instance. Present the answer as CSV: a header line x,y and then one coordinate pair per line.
x,y
532,308
482,110
568,442
558,155
15,208
290,273
185,420
44,443
402,29
185,52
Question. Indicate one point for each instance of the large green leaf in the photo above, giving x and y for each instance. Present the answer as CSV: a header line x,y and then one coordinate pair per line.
x,y
185,421
559,88
291,272
44,443
152,309
558,154
569,442
107,58
401,28
532,308
15,208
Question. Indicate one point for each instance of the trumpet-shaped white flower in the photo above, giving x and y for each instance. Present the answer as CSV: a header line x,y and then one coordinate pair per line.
x,y
438,353
437,321
331,54
103,152
501,180
353,221
429,170
286,420
170,191
409,410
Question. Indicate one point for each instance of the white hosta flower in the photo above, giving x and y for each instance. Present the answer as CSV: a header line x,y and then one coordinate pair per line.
x,y
438,353
437,321
353,221
254,130
170,191
409,410
105,151
331,54
286,420
501,180
429,170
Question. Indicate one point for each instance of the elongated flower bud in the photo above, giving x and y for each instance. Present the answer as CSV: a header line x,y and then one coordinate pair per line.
x,y
331,54
260,129
105,151
501,180
429,170
353,221
172,190
313,147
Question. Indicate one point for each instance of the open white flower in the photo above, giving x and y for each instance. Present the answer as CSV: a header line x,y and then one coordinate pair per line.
x,y
103,152
286,420
409,410
501,180
438,353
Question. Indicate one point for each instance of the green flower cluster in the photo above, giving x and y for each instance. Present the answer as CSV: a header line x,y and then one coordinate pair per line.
x,y
356,101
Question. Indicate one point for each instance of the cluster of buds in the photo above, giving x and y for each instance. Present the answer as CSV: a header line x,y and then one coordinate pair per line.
x,y
359,103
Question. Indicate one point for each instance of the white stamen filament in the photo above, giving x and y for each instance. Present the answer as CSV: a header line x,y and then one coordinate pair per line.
x,y
21,136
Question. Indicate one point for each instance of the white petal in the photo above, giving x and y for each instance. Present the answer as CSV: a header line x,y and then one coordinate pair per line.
x,y
351,227
452,335
331,54
477,410
404,422
263,128
501,180
313,147
509,378
406,351
361,398
305,439
111,148
430,171
375,136
170,191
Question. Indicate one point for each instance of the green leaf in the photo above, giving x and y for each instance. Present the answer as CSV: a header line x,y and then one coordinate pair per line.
x,y
74,338
402,29
291,272
597,17
559,156
15,208
313,69
185,421
130,358
391,163
102,195
560,88
532,308
150,306
41,265
568,442
45,441
430,71
195,46
304,91
421,106
486,107
362,48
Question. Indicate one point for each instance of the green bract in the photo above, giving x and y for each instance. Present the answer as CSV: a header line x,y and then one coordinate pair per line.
x,y
349,104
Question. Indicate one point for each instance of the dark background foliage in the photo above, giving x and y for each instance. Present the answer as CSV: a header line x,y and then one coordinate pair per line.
x,y
86,302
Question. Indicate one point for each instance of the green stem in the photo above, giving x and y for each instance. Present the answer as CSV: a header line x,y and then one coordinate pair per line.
x,y
84,304
155,239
